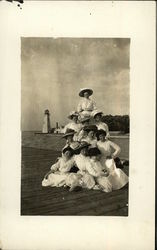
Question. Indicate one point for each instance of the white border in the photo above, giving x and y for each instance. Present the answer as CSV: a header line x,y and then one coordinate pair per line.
x,y
135,20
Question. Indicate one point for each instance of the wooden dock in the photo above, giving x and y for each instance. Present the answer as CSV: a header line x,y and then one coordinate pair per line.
x,y
38,200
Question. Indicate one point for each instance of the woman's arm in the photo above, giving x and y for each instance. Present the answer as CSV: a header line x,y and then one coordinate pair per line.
x,y
107,131
46,175
116,148
67,166
91,171
55,166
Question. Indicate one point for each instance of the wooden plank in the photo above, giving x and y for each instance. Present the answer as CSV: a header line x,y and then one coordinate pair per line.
x,y
38,200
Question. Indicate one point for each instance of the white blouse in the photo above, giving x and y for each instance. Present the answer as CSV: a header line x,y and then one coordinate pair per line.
x,y
63,165
86,104
106,148
81,162
94,168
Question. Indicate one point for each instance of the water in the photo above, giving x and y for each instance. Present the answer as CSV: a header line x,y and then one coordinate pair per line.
x,y
55,142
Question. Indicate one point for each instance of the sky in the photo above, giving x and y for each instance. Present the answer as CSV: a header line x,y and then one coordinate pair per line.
x,y
54,70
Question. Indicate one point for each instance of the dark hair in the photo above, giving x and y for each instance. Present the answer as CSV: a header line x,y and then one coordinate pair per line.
x,y
89,128
94,151
68,149
100,114
100,132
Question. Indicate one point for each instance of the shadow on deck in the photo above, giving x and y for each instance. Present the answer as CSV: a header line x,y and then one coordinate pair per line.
x,y
38,200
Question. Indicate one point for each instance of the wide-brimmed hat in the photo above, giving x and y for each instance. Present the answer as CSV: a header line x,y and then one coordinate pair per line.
x,y
100,132
90,128
96,112
73,113
82,91
84,119
82,145
94,151
68,132
75,145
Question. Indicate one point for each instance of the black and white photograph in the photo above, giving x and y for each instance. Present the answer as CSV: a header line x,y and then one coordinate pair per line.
x,y
77,125
75,99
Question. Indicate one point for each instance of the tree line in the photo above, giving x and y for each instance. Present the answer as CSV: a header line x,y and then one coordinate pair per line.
x,y
117,122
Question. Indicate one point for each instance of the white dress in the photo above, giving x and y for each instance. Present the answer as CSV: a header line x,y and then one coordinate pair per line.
x,y
86,106
94,168
106,149
117,177
61,171
87,181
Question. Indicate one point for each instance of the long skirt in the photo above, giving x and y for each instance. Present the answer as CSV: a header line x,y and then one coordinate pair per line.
x,y
104,183
117,177
83,180
55,180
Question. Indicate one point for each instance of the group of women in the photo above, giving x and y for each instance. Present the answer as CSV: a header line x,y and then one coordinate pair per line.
x,y
88,158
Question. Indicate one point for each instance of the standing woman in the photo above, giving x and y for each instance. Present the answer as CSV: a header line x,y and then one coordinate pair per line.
x,y
86,105
107,148
109,151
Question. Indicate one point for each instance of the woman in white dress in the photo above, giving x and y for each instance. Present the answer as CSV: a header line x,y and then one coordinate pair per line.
x,y
109,152
86,105
97,115
91,135
81,161
95,169
74,124
83,134
59,172
106,147
69,136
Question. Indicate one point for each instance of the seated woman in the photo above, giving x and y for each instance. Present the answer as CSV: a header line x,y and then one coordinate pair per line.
x,y
69,136
74,122
116,176
83,134
91,135
86,105
57,176
81,161
97,115
94,168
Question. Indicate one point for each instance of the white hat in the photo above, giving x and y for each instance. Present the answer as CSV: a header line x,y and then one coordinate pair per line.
x,y
95,112
82,91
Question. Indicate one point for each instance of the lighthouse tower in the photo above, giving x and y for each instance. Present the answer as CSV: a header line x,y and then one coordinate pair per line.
x,y
46,123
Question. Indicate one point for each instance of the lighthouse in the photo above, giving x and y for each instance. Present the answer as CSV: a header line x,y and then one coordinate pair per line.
x,y
46,123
